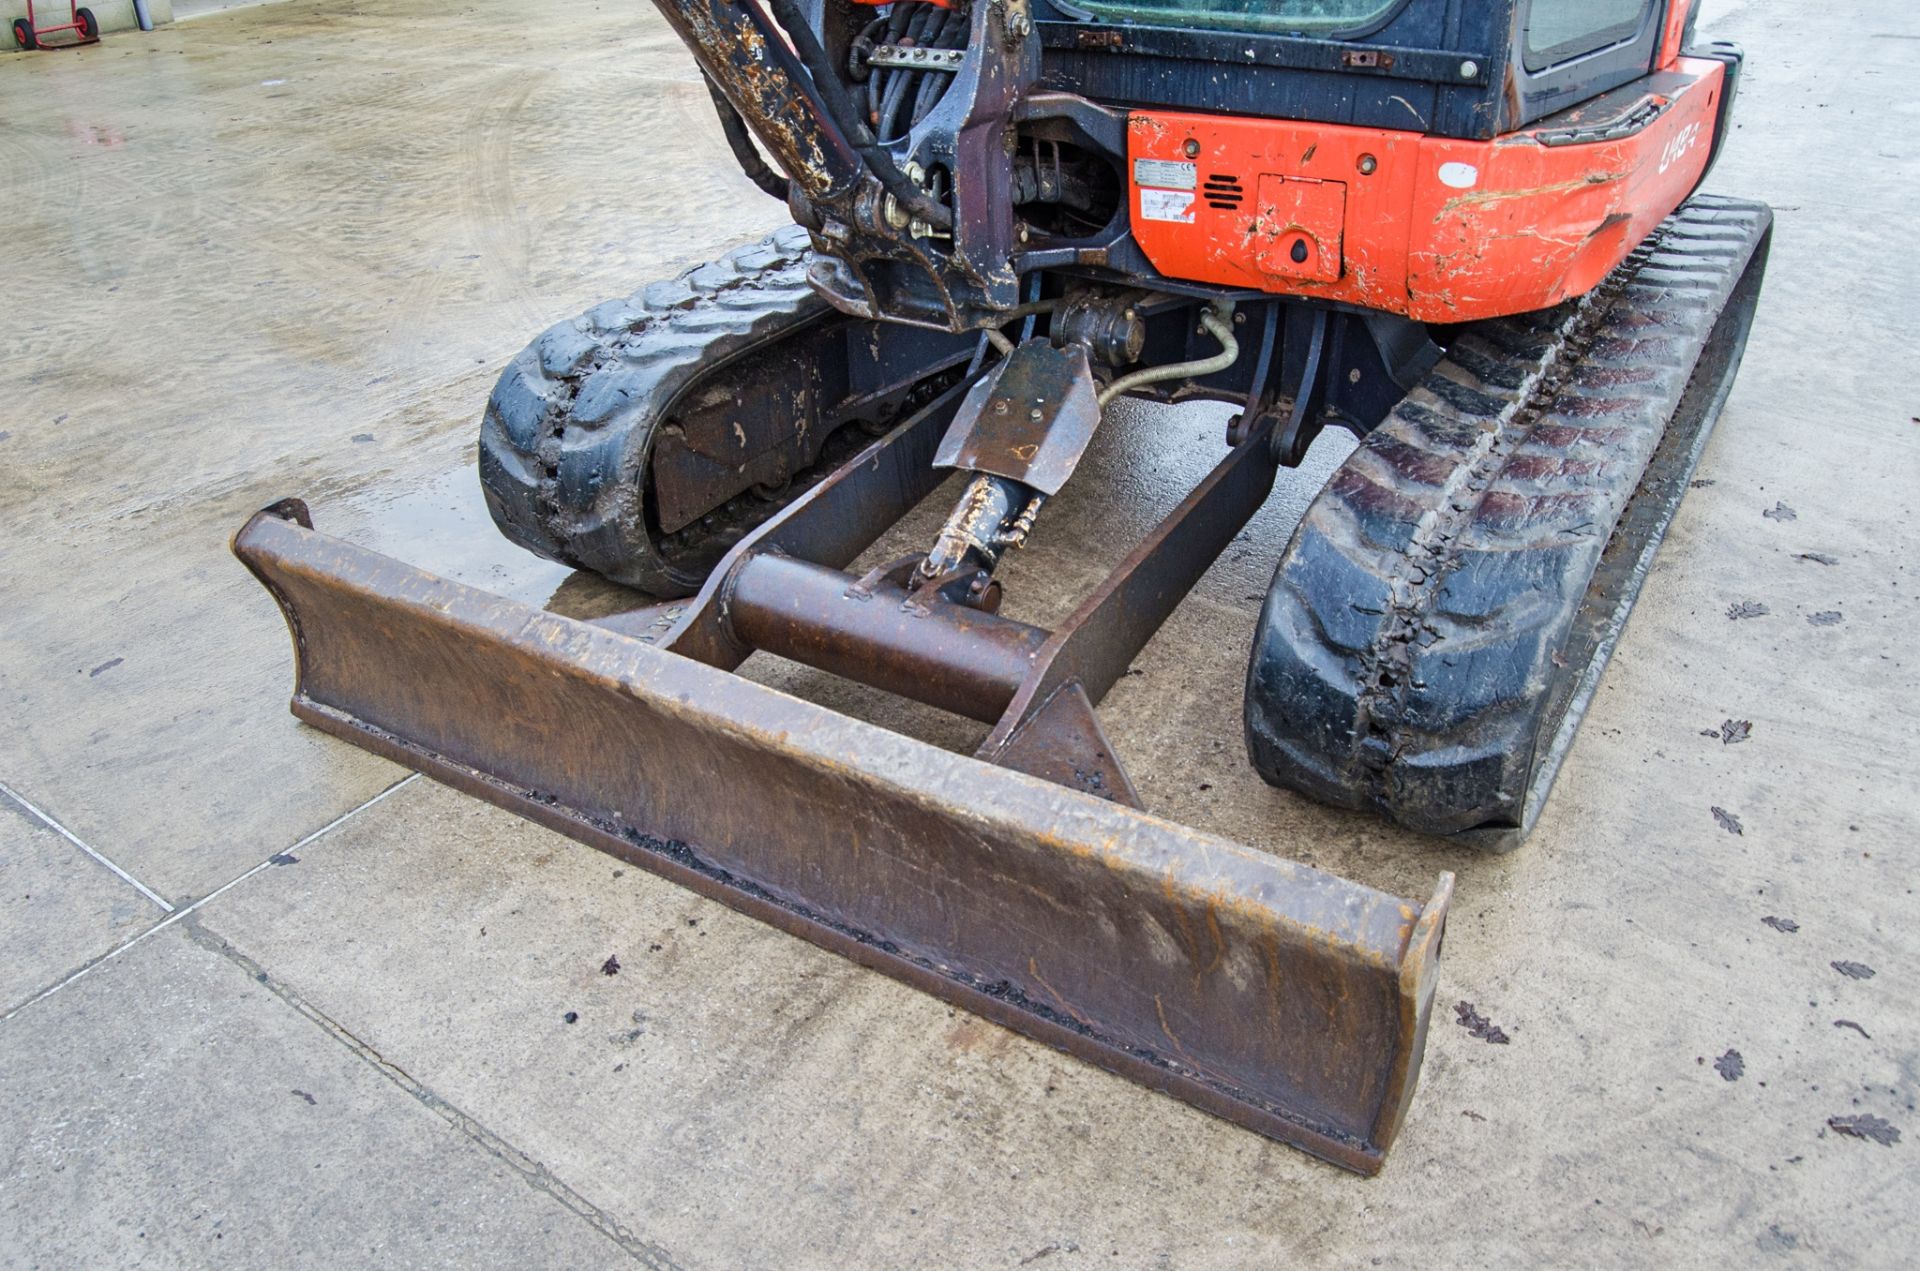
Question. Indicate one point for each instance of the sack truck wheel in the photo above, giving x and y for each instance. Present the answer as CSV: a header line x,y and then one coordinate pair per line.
x,y
89,29
23,34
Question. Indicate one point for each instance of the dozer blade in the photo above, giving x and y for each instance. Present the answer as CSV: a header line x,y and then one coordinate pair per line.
x,y
1287,1000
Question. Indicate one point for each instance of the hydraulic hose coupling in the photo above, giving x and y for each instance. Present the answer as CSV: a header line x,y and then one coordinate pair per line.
x,y
1217,321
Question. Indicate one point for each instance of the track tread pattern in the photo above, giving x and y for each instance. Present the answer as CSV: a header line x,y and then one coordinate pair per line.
x,y
1414,626
564,439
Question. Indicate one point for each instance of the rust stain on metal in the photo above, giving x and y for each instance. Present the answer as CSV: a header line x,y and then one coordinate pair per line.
x,y
1033,969
765,96
1160,1010
1219,943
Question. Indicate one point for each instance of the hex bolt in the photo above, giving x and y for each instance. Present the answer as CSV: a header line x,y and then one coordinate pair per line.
x,y
1367,165
1192,148
1469,68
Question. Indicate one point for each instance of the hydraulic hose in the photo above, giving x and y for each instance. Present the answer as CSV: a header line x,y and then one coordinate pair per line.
x,y
740,141
1217,318
845,115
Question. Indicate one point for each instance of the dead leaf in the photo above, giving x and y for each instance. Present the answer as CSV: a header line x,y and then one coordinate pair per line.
x,y
1478,1025
1866,1126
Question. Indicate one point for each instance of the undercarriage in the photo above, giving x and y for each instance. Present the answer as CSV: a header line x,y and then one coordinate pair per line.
x,y
1433,631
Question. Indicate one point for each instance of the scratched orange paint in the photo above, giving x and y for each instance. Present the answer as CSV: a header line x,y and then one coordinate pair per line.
x,y
1440,230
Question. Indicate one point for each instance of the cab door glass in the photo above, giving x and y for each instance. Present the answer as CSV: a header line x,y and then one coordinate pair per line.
x,y
1557,30
1268,17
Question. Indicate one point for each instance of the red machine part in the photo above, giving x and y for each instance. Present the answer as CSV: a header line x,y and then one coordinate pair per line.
x,y
1674,33
29,34
1438,229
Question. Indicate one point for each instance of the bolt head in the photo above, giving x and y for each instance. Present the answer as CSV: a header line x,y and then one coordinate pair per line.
x,y
1191,149
1367,165
1469,68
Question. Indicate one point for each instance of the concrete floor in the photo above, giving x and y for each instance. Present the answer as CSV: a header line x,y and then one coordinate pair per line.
x,y
268,1001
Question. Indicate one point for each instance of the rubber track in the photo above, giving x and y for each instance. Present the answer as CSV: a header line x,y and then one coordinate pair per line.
x,y
566,432
1411,642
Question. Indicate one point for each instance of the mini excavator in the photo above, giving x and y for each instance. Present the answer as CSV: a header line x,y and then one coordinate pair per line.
x,y
1467,232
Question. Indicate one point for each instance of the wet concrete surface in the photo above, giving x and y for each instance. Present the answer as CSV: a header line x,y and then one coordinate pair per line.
x,y
192,1113
59,906
297,242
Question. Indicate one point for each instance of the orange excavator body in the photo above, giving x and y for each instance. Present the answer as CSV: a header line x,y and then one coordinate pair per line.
x,y
1436,229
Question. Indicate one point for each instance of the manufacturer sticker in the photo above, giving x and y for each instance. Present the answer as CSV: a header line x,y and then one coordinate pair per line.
x,y
1168,174
1167,205
1459,176
1679,144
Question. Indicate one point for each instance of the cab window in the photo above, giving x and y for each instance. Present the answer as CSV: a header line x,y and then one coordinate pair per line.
x,y
1557,30
1268,17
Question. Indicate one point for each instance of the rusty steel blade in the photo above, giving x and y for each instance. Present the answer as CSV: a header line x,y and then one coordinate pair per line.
x,y
1287,1000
